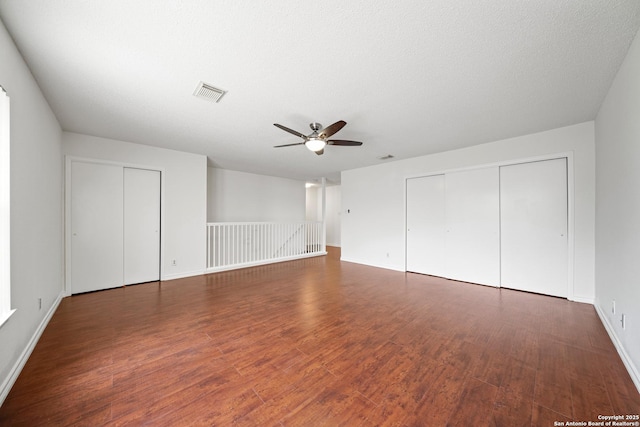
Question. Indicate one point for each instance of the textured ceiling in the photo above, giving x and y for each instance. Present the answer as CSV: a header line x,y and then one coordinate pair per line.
x,y
411,77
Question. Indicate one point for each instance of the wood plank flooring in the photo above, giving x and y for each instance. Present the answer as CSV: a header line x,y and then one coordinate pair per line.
x,y
319,342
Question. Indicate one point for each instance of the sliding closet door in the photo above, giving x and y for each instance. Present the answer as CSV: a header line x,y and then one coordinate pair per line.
x,y
141,226
473,226
453,225
426,225
534,227
96,226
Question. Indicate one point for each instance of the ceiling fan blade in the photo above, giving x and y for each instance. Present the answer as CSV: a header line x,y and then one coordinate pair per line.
x,y
344,142
330,130
295,132
288,145
319,152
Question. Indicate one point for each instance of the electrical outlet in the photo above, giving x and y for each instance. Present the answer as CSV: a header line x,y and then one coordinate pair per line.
x,y
623,320
613,307
173,263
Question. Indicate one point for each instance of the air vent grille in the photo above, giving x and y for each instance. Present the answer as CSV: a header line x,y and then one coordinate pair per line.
x,y
208,92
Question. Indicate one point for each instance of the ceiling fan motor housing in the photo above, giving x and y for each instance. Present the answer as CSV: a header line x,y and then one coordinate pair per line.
x,y
315,127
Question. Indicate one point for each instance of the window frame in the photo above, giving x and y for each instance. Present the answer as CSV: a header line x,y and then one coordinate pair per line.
x,y
5,209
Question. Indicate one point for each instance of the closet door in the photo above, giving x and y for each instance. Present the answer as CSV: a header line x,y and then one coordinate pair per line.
x,y
96,227
141,226
473,226
426,225
533,211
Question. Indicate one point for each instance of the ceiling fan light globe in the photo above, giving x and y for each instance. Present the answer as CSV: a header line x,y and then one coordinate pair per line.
x,y
315,144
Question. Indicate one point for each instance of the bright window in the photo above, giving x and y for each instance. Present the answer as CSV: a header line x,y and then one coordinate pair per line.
x,y
5,225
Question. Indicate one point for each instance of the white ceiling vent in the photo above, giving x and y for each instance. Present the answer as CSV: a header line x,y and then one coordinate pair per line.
x,y
208,92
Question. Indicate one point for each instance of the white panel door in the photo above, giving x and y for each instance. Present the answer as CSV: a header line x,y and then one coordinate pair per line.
x,y
96,226
473,226
426,225
141,226
533,198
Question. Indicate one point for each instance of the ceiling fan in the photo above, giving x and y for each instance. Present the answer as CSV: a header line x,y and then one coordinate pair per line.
x,y
317,140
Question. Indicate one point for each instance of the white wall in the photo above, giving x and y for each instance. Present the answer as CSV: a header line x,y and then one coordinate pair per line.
x,y
333,214
314,204
245,197
617,130
375,197
184,195
36,211
333,200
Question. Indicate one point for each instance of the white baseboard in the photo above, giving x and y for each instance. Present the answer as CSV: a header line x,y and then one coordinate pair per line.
x,y
583,300
386,267
183,275
626,359
6,385
258,263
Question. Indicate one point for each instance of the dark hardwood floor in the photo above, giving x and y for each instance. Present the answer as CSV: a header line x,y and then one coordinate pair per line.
x,y
319,342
